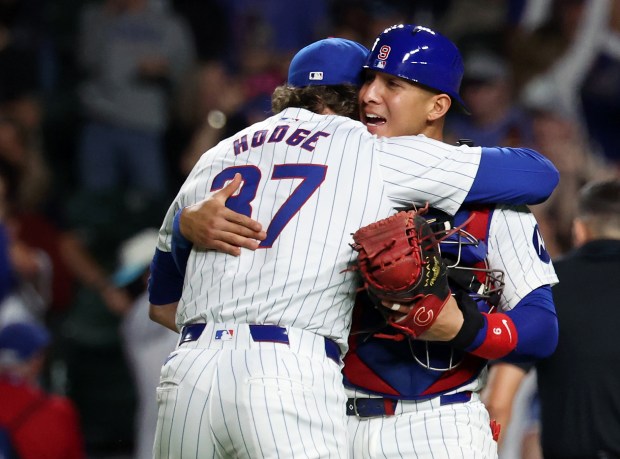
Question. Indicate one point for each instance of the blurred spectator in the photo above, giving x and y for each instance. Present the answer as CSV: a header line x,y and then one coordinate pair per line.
x,y
561,137
578,384
600,92
85,302
39,223
146,343
28,272
495,118
277,30
134,56
475,23
584,30
214,95
518,400
211,26
499,393
41,425
6,273
533,50
19,62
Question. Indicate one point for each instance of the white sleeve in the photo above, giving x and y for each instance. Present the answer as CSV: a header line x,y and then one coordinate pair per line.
x,y
516,246
439,173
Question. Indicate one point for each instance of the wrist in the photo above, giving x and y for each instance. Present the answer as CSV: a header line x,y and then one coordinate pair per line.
x,y
473,322
177,235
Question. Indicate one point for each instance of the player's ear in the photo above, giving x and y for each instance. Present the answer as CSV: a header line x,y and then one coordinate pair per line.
x,y
441,105
581,232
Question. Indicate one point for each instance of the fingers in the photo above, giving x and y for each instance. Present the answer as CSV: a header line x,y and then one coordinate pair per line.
x,y
243,221
396,307
226,192
227,248
243,225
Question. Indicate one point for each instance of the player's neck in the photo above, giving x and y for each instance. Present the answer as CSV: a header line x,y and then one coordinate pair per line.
x,y
433,131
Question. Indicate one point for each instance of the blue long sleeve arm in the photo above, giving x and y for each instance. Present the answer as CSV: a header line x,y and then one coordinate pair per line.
x,y
168,268
533,177
536,323
165,281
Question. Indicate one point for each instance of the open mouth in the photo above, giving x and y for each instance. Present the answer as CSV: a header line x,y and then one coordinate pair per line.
x,y
370,119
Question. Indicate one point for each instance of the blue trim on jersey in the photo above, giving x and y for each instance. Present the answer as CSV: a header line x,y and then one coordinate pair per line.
x,y
537,327
165,282
527,185
178,238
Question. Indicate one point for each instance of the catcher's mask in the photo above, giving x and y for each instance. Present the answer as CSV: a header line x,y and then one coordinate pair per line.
x,y
468,270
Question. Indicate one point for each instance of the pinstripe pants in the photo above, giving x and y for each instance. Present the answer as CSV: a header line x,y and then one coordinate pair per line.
x,y
236,398
425,430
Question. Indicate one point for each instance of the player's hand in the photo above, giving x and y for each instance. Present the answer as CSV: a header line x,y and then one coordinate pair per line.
x,y
445,327
211,225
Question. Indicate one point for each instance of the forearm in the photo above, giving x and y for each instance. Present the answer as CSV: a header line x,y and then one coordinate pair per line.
x,y
164,315
527,332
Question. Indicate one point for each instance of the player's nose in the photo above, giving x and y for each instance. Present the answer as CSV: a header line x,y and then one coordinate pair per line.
x,y
370,92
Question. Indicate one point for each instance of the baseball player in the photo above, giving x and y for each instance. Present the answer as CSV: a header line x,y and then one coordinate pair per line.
x,y
420,399
256,372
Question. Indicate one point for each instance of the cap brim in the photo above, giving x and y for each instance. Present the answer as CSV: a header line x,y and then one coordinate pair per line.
x,y
128,274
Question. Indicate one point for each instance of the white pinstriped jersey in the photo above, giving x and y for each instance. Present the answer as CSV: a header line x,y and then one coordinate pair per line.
x,y
311,180
516,247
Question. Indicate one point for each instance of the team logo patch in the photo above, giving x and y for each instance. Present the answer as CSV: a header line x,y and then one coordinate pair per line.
x,y
539,245
224,335
316,76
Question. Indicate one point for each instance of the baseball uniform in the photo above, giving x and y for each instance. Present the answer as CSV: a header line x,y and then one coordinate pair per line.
x,y
437,412
232,388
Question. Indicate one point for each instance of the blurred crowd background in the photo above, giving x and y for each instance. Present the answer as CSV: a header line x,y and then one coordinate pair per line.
x,y
106,105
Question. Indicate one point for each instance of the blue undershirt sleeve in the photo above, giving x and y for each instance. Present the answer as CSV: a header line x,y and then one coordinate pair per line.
x,y
180,246
165,281
513,176
537,327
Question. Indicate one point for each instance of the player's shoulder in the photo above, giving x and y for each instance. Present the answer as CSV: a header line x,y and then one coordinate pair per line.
x,y
513,211
428,144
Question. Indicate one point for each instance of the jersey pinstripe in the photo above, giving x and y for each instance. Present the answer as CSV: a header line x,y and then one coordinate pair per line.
x,y
515,246
311,180
239,398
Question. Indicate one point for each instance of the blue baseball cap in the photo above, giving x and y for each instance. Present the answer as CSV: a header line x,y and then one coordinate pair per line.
x,y
19,341
329,62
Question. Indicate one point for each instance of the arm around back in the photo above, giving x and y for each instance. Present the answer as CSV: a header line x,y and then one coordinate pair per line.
x,y
513,176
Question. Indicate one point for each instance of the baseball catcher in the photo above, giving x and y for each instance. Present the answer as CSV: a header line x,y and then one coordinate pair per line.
x,y
400,262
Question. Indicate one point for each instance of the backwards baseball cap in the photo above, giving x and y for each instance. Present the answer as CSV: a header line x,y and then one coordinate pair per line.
x,y
19,341
331,61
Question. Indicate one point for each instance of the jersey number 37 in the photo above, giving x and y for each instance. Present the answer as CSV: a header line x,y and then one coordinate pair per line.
x,y
311,175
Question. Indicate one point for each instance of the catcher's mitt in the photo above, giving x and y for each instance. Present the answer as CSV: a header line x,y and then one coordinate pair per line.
x,y
399,262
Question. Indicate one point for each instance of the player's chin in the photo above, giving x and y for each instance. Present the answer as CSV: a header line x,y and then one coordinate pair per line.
x,y
380,130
